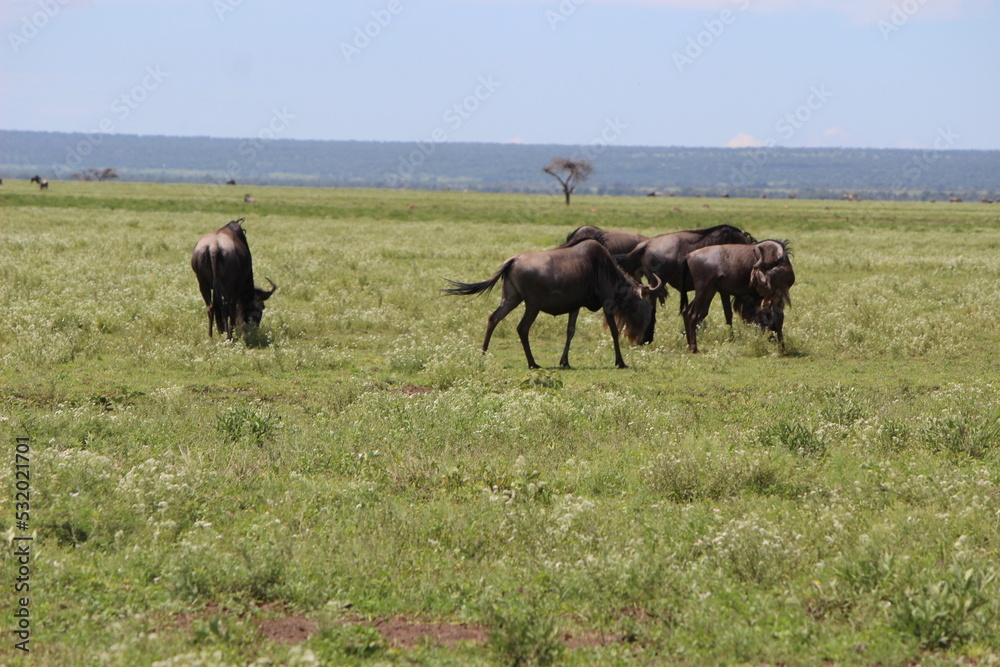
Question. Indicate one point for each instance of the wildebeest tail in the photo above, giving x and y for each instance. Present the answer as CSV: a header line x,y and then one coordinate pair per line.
x,y
218,301
469,289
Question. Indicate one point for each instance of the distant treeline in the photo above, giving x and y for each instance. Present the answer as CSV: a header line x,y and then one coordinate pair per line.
x,y
620,170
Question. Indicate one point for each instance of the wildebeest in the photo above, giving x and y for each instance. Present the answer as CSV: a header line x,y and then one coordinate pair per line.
x,y
221,261
247,199
663,256
42,183
759,276
562,281
617,242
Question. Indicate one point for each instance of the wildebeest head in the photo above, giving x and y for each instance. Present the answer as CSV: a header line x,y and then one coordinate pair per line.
x,y
772,275
635,312
751,309
255,309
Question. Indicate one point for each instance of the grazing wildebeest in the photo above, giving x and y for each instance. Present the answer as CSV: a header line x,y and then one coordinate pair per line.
x,y
663,256
562,281
617,242
247,199
759,275
42,183
231,182
221,261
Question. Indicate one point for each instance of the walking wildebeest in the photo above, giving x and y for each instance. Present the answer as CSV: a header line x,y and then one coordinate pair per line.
x,y
617,242
663,256
758,275
562,281
42,183
221,261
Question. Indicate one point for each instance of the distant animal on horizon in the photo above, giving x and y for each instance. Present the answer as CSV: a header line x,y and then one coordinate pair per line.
x,y
231,182
222,263
759,276
617,242
561,281
664,255
955,200
247,199
42,183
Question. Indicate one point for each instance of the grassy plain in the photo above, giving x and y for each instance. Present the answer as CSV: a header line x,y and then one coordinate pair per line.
x,y
358,463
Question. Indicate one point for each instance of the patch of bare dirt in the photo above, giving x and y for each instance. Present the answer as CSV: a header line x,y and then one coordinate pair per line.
x,y
400,631
288,630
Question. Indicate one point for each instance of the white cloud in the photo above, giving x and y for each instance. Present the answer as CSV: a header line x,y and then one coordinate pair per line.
x,y
743,140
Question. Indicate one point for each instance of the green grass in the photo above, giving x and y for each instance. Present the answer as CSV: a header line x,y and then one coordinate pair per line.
x,y
360,461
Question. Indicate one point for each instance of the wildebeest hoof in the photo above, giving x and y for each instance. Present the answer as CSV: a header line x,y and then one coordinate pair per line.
x,y
534,367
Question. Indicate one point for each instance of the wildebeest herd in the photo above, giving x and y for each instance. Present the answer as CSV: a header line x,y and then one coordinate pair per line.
x,y
594,269
599,268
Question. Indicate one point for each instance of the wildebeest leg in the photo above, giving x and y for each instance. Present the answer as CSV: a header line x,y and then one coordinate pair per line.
x,y
570,331
206,294
506,305
651,329
610,319
522,330
727,308
694,314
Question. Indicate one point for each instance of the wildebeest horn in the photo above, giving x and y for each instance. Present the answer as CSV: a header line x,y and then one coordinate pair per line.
x,y
655,284
273,286
757,277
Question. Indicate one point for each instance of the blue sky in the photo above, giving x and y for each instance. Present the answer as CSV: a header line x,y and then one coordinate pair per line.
x,y
853,73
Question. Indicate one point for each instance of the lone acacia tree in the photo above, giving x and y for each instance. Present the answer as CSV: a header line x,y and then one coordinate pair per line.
x,y
569,173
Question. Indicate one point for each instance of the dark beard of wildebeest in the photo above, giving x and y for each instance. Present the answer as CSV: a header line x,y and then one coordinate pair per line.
x,y
221,261
617,242
664,255
759,276
561,281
